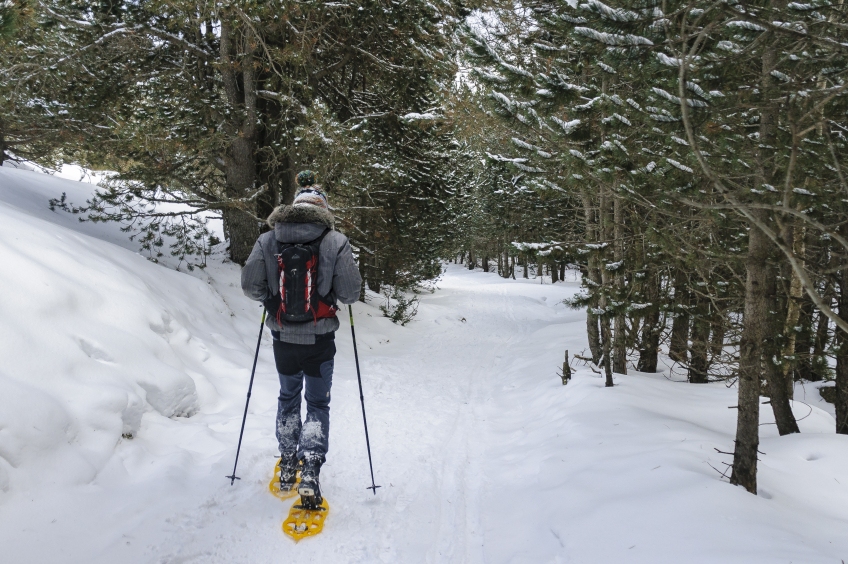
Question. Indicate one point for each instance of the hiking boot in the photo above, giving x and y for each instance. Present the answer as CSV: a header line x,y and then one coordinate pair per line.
x,y
309,488
288,471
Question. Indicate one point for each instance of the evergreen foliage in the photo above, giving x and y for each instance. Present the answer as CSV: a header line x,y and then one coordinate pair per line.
x,y
704,143
216,108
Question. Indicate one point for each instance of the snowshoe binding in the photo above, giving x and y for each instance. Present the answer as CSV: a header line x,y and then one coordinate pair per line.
x,y
309,488
307,517
286,476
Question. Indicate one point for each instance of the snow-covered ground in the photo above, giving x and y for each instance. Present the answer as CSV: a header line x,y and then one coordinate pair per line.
x,y
122,385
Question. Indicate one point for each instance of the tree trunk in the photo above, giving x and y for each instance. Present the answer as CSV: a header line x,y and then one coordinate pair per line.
x,y
803,367
650,338
526,267
680,325
374,283
778,396
750,360
512,267
242,227
619,364
554,272
593,277
841,402
620,339
485,263
606,336
717,337
3,146
562,271
795,236
820,369
757,295
700,335
240,158
472,261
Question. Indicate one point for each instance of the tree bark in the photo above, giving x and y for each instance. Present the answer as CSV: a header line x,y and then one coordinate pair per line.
x,y
680,325
606,332
803,342
744,471
698,365
240,158
820,369
795,236
620,340
485,263
841,403
778,395
718,329
554,272
757,299
593,278
650,335
3,146
472,260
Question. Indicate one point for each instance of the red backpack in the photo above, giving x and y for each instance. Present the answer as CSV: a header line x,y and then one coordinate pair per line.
x,y
299,300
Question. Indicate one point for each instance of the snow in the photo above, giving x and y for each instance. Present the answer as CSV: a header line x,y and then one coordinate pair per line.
x,y
482,454
567,126
679,166
413,116
612,38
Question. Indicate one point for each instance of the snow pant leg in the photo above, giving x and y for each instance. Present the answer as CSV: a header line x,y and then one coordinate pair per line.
x,y
314,440
288,412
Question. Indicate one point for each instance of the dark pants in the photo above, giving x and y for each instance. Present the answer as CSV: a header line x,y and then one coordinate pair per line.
x,y
315,362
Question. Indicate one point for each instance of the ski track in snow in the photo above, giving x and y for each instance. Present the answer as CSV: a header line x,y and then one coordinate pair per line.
x,y
482,455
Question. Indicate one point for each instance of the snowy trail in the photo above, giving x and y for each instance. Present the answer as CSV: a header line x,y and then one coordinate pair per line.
x,y
482,455
428,393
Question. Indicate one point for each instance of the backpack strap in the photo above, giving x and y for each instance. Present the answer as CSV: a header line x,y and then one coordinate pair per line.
x,y
317,241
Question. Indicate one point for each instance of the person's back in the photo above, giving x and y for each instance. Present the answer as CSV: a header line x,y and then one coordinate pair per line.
x,y
280,274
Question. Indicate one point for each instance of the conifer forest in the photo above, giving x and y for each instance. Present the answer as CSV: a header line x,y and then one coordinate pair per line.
x,y
687,159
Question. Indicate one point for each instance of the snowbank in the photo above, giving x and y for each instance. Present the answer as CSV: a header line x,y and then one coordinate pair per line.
x,y
93,338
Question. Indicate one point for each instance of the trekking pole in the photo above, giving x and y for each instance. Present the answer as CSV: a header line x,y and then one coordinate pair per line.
x,y
372,487
233,478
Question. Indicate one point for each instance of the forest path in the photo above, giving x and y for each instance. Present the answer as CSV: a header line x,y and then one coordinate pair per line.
x,y
434,393
438,397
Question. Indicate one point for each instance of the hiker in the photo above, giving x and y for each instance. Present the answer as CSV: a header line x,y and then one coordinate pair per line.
x,y
316,266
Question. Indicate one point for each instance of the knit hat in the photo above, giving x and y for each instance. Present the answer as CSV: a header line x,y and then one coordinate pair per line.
x,y
312,196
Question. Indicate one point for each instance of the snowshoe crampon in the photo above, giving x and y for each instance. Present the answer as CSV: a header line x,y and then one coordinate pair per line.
x,y
276,490
303,522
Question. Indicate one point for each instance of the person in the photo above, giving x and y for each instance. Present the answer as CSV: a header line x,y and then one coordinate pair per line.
x,y
303,322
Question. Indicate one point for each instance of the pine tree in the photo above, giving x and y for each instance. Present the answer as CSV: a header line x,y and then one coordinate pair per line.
x,y
206,106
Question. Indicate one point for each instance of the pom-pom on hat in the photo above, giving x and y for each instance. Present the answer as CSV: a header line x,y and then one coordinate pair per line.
x,y
312,196
305,178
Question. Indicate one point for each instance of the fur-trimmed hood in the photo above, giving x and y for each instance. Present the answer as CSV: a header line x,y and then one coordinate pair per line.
x,y
301,214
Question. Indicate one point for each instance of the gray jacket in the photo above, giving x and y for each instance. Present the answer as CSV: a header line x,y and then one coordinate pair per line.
x,y
337,271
